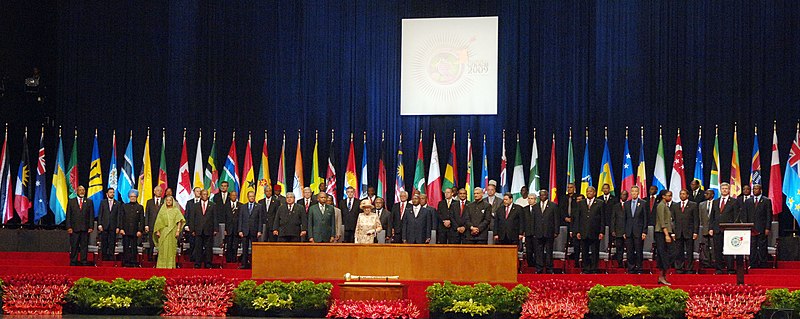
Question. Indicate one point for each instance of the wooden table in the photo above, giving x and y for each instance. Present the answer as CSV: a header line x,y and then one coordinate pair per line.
x,y
369,290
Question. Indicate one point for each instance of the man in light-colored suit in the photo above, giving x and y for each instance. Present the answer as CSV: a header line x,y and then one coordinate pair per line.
x,y
338,220
708,214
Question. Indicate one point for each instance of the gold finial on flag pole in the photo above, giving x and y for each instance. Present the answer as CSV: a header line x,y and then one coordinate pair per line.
x,y
626,132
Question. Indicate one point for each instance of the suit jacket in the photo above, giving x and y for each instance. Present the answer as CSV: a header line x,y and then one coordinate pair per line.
x,y
508,228
708,219
636,218
732,212
397,218
80,217
416,229
249,223
302,202
232,218
759,213
565,210
446,212
107,216
589,220
543,224
131,218
321,224
607,214
221,202
617,219
687,222
385,216
497,202
478,214
350,216
269,211
338,220
664,217
458,218
651,212
290,223
151,211
205,224
699,198
188,211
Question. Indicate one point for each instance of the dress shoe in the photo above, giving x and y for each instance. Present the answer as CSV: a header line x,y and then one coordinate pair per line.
x,y
244,267
663,281
731,272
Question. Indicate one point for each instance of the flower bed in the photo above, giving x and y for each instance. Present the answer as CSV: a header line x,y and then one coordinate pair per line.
x,y
725,301
636,302
128,297
35,294
449,300
556,299
373,309
198,296
281,299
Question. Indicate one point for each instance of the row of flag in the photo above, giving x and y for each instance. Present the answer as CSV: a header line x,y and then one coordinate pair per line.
x,y
253,178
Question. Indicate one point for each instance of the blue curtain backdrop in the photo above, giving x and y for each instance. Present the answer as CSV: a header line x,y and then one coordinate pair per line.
x,y
323,65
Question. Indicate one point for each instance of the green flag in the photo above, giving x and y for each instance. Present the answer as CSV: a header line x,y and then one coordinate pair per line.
x,y
533,176
72,169
570,161
518,179
419,172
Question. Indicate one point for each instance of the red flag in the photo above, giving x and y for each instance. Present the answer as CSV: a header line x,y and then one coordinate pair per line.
x,y
434,189
775,179
553,186
330,177
382,173
350,177
183,190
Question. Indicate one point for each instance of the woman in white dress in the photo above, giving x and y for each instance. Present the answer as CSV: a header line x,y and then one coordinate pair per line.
x,y
368,225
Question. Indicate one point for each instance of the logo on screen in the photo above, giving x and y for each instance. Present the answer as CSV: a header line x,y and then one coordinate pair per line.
x,y
444,67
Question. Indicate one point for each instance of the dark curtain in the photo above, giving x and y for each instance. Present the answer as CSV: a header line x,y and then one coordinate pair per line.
x,y
278,66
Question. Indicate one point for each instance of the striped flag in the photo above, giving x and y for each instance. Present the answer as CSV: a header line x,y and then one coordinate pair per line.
x,y
162,165
503,165
40,193
553,181
451,171
586,172
606,174
316,177
434,190
230,172
126,181
297,180
248,173
698,160
263,172
713,180
518,177
22,191
469,184
627,167
330,177
95,191
73,179
183,190
281,179
484,167
400,175
113,176
199,176
775,181
6,195
641,171
677,180
58,191
350,175
736,172
791,180
755,162
146,177
571,162
364,170
211,180
381,189
419,171
533,176
660,172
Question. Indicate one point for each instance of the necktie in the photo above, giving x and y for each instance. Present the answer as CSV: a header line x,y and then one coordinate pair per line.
x,y
683,206
508,210
652,201
251,207
462,209
402,209
80,203
306,205
633,208
349,204
110,204
590,203
204,207
722,205
569,207
290,209
544,204
708,208
158,202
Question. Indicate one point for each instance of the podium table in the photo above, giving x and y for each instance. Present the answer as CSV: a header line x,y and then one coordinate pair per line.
x,y
736,242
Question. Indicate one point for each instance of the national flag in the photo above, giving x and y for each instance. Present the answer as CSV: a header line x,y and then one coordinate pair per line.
x,y
553,182
350,177
6,202
518,179
146,177
755,162
330,177
113,176
484,167
58,191
571,161
316,177
126,181
381,189
434,190
469,185
736,175
400,175
533,175
364,170
677,179
95,190
606,174
298,183
641,171
211,180
22,191
183,190
263,171
248,174
419,171
230,172
698,160
281,179
627,168
503,164
450,171
40,192
791,181
162,166
660,172
73,179
713,180
586,172
199,175
775,182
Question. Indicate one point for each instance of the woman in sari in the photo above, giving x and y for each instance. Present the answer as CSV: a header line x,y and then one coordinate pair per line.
x,y
368,224
167,229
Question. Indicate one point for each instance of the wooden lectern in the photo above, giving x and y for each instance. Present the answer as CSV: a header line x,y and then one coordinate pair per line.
x,y
736,242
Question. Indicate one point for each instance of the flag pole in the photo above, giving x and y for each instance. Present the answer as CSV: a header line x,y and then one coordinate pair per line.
x,y
794,224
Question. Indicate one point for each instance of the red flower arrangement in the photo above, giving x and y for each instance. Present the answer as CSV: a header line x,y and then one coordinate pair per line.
x,y
556,299
198,296
35,294
373,309
725,301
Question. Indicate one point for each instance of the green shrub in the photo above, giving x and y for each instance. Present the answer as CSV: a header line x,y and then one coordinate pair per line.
x,y
272,301
632,311
783,299
87,293
662,302
113,302
471,308
305,295
443,296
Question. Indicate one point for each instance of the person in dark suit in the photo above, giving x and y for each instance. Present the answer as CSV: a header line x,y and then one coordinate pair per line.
x,y
187,234
399,213
541,222
730,211
617,227
746,194
270,203
607,197
458,219
151,208
708,221
653,198
663,236
107,223
507,222
635,233
759,211
445,211
308,199
696,194
130,225
478,219
568,210
221,199
686,219
79,222
290,221
231,226
417,224
589,228
249,226
204,229
495,200
385,216
321,221
350,209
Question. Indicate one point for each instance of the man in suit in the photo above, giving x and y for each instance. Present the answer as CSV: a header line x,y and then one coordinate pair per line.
x,y
664,236
130,225
708,221
522,201
350,207
321,221
151,208
79,222
507,222
204,228
541,221
249,226
445,212
339,235
399,213
231,226
307,201
568,210
423,201
730,211
759,211
686,218
494,200
478,218
746,194
635,233
607,197
696,194
270,205
417,224
617,227
188,215
589,228
106,223
221,199
458,221
290,221
653,198
372,195
385,216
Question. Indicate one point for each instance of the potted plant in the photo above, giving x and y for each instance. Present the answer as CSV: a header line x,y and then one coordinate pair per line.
x,y
781,303
470,310
119,297
279,299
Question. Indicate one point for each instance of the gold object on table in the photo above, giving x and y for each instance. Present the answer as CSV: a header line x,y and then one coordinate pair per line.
x,y
349,277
